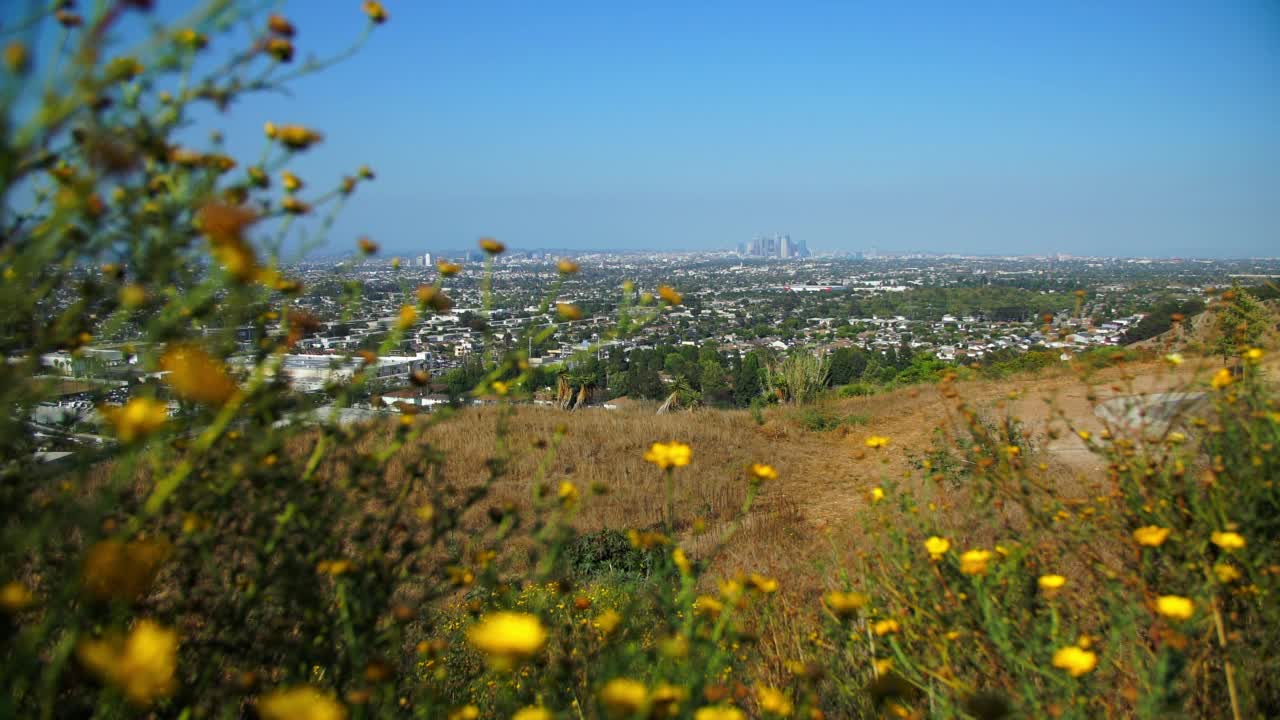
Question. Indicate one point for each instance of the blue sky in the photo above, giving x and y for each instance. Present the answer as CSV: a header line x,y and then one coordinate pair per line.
x,y
1135,128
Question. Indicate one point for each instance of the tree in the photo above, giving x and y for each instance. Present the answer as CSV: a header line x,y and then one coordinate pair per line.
x,y
711,379
847,365
749,382
799,378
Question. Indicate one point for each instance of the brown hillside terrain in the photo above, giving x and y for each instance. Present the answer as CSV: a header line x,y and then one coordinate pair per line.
x,y
824,477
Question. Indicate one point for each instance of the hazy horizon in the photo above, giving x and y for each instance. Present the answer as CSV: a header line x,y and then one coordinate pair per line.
x,y
1134,129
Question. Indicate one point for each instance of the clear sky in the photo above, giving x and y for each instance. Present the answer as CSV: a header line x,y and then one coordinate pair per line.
x,y
1127,128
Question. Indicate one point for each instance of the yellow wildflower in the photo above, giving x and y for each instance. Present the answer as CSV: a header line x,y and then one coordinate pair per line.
x,y
532,713
1254,355
681,560
624,697
607,621
142,665
974,562
937,547
760,471
491,246
408,316
567,267
762,584
133,295
773,701
1228,540
15,597
877,494
291,182
139,417
1052,582
845,603
447,268
294,137
646,540
708,605
669,455
466,712
196,376
375,12
719,712
1084,435
1175,607
668,293
300,703
1174,359
507,636
1226,573
1151,535
1221,379
886,627
1075,661
116,570
568,493
568,311
876,442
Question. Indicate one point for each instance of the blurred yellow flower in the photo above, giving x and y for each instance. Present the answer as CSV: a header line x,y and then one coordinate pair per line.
x,y
1175,607
447,268
760,471
532,713
669,455
681,560
974,562
142,665
877,494
568,311
15,597
607,621
1221,379
937,547
375,12
300,703
1075,661
466,712
773,701
116,570
876,441
1254,355
291,182
1084,435
196,376
1174,359
408,316
886,627
624,697
294,137
1228,540
668,293
719,712
1151,535
567,267
845,603
568,493
1226,573
139,417
762,583
507,636
491,246
708,605
133,295
1052,582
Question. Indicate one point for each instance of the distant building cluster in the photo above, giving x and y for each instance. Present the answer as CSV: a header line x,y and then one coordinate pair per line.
x,y
424,260
774,246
